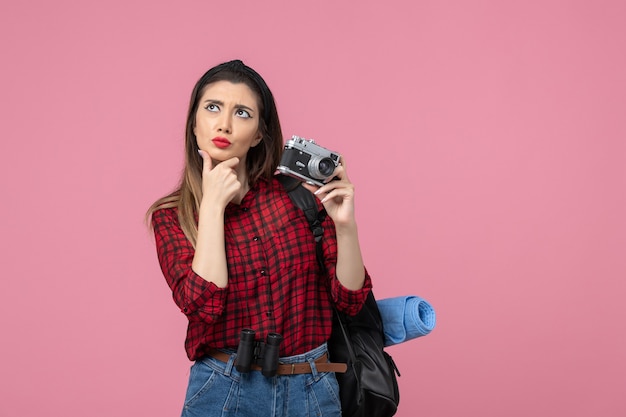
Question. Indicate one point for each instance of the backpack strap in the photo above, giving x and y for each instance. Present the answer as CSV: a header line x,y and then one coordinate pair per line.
x,y
306,201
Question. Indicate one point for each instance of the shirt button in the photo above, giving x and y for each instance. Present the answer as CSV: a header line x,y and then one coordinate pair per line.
x,y
268,313
263,272
244,209
256,238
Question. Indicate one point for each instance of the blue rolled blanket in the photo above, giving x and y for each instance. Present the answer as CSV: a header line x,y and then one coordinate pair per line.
x,y
405,318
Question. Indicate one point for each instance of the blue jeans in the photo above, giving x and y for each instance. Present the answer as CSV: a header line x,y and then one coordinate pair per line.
x,y
218,389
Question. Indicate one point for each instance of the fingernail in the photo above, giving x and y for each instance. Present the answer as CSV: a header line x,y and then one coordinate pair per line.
x,y
317,192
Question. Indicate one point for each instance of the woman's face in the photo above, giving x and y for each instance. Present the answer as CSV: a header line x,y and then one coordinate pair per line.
x,y
227,121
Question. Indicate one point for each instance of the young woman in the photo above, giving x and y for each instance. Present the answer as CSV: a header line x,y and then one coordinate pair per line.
x,y
237,254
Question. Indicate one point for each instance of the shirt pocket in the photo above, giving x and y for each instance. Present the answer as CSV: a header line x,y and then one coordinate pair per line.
x,y
293,243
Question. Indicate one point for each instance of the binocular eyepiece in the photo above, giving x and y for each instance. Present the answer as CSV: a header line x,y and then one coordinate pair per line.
x,y
264,354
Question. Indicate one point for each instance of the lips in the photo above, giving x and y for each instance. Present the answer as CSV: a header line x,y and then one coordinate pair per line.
x,y
221,142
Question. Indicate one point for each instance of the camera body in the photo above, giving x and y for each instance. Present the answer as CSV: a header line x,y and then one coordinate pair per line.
x,y
307,161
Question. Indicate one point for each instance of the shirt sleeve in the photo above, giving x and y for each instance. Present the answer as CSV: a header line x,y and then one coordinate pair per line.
x,y
198,299
346,300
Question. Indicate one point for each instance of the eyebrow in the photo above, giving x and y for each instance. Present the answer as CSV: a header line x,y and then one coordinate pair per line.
x,y
221,103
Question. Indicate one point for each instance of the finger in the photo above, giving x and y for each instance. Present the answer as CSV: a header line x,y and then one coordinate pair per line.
x,y
339,172
341,169
231,163
325,189
331,185
207,162
342,163
341,193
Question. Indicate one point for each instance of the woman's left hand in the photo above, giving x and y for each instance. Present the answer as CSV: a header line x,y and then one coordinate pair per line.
x,y
337,196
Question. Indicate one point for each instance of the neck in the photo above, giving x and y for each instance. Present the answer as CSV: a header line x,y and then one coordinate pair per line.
x,y
245,187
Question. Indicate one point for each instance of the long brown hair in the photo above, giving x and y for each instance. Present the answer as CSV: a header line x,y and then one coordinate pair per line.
x,y
261,161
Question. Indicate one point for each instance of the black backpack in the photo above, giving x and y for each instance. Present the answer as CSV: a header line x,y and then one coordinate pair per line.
x,y
369,387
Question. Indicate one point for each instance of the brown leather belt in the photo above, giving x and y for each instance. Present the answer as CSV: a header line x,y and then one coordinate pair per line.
x,y
321,365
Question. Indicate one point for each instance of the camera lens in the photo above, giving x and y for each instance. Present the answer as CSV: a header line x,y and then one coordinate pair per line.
x,y
321,168
326,167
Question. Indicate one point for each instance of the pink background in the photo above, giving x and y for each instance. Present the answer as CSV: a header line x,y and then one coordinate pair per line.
x,y
487,141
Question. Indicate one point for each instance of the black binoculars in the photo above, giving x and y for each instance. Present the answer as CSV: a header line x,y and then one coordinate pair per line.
x,y
251,352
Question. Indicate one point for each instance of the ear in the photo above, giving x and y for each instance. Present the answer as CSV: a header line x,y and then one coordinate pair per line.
x,y
257,140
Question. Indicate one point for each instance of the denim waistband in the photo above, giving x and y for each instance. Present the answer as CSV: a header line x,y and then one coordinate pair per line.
x,y
311,354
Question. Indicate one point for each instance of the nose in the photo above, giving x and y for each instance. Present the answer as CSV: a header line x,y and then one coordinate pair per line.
x,y
225,124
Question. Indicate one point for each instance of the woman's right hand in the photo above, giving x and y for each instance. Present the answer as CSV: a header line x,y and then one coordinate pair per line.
x,y
219,186
219,183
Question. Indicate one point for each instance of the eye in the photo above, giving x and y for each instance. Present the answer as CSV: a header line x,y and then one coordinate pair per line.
x,y
212,107
243,113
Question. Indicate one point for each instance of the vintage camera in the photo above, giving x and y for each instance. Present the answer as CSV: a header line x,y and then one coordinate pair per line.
x,y
306,160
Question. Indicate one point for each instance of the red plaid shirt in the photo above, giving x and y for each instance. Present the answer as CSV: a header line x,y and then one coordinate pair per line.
x,y
274,281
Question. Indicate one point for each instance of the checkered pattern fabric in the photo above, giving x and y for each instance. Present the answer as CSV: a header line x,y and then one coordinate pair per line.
x,y
274,281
